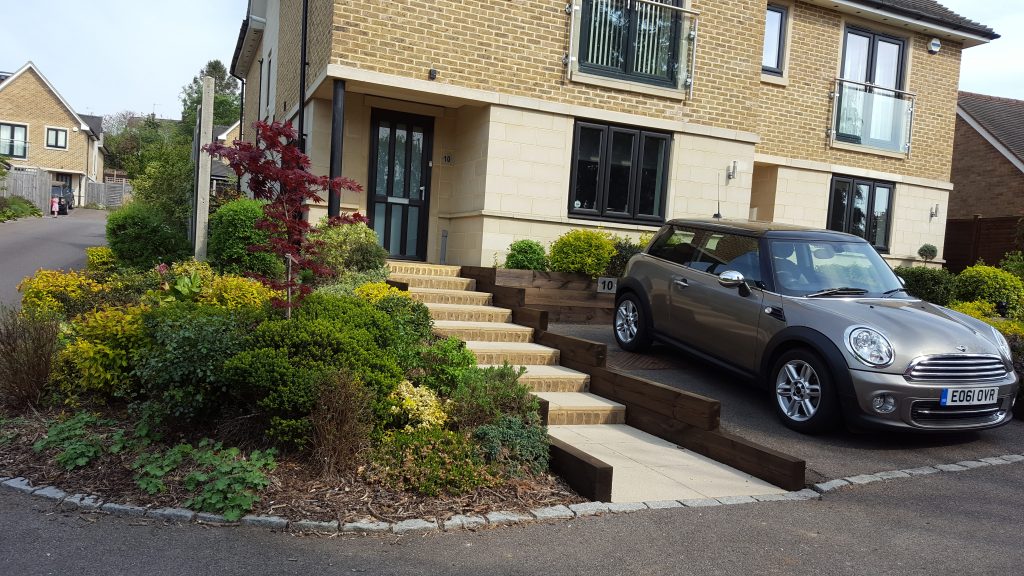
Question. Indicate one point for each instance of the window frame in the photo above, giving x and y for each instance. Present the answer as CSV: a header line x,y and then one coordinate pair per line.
x,y
600,211
870,228
8,151
56,130
629,43
779,70
869,75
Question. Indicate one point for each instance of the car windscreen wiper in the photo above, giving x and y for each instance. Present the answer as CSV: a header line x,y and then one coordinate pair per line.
x,y
893,291
841,291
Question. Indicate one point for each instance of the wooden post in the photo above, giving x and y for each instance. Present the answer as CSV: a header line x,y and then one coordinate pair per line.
x,y
203,185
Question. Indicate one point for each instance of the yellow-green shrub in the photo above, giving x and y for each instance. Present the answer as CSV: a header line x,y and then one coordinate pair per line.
x,y
99,361
583,251
234,292
993,285
412,407
977,309
56,291
100,259
187,268
374,292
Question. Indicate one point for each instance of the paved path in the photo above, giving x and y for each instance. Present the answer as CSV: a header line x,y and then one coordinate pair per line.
x,y
953,523
746,411
33,243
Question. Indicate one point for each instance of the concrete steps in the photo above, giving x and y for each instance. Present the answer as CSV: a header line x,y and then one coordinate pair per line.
x,y
581,408
515,353
468,313
483,331
437,282
549,378
422,269
442,296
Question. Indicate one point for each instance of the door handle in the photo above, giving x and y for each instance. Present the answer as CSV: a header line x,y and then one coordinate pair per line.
x,y
681,282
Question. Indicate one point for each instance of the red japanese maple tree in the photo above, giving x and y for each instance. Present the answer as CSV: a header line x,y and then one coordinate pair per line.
x,y
279,173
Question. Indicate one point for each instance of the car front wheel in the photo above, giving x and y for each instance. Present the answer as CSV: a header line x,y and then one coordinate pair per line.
x,y
631,324
803,394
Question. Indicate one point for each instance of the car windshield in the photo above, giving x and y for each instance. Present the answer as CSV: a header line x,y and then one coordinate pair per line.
x,y
821,269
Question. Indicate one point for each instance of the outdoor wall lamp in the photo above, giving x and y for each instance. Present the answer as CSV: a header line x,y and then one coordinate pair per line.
x,y
730,171
933,211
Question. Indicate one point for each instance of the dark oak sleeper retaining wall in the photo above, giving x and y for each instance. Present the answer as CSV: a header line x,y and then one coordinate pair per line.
x,y
567,297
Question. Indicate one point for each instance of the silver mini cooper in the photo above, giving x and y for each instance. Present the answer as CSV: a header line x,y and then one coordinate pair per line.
x,y
821,320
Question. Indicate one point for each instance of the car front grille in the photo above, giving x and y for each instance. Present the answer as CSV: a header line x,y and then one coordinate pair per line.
x,y
956,368
932,413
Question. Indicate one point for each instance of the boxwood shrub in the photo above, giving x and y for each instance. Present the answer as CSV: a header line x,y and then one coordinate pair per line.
x,y
232,231
932,284
583,251
526,255
140,236
992,285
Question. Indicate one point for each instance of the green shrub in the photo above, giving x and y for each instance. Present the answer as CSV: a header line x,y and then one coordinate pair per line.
x,y
77,443
141,237
57,292
1013,262
430,461
444,364
978,309
624,250
583,251
485,394
932,284
15,207
126,287
526,255
232,231
181,369
283,392
345,283
412,328
517,444
28,345
928,251
348,247
993,285
100,361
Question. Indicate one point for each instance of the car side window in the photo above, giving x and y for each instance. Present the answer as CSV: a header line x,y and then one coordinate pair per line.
x,y
721,252
677,246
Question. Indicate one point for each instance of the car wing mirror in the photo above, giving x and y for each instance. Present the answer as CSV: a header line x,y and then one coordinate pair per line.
x,y
733,279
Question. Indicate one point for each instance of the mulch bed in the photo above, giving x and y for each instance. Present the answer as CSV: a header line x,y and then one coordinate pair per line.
x,y
295,492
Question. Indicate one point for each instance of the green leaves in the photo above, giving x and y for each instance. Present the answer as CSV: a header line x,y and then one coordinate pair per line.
x,y
75,443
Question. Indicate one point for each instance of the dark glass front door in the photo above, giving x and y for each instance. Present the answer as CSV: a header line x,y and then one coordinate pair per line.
x,y
399,190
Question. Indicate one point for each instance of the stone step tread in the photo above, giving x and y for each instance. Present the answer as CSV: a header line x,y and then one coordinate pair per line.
x,y
578,401
450,292
484,346
472,325
547,371
423,278
423,269
466,307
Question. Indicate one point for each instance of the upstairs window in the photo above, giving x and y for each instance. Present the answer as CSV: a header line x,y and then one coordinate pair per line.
x,y
636,40
57,138
14,140
863,208
619,173
872,108
773,56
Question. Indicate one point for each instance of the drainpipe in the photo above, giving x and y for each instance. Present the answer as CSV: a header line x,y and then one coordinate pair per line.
x,y
241,127
302,79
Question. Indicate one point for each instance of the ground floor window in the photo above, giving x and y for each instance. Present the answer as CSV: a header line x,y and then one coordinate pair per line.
x,y
619,173
863,208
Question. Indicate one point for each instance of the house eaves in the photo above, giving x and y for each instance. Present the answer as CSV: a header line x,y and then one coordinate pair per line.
x,y
249,36
1000,121
924,16
29,65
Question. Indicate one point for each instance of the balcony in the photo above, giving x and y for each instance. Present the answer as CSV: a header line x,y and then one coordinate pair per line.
x,y
870,116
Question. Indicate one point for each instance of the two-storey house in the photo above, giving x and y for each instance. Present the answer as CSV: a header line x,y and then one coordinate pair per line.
x,y
40,131
474,123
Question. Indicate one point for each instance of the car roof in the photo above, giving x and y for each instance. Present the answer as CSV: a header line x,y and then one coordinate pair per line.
x,y
766,229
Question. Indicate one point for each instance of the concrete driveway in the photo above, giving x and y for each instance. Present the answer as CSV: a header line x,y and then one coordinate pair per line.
x,y
746,411
32,243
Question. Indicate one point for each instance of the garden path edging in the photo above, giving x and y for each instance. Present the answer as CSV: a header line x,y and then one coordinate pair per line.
x,y
95,504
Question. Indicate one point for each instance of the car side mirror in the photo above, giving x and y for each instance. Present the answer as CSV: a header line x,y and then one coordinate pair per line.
x,y
733,279
902,281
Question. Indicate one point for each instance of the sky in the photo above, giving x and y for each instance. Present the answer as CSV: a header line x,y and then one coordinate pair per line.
x,y
105,56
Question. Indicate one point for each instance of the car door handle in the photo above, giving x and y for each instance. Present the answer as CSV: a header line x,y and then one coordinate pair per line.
x,y
681,282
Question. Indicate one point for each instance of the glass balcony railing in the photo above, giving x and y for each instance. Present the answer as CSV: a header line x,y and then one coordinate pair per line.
x,y
872,116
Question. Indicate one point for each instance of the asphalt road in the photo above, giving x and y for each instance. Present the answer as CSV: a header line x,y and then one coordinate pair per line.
x,y
32,243
951,523
747,411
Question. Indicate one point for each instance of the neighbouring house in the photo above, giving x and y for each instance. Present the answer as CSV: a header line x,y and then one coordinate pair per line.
x,y
987,202
473,124
221,175
39,130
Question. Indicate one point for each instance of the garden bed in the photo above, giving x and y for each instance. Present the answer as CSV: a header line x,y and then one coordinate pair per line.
x,y
568,297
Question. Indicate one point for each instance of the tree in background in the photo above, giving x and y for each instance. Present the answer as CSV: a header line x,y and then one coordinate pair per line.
x,y
226,98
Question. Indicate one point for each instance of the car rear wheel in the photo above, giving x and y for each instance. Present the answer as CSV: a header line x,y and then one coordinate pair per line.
x,y
631,324
803,394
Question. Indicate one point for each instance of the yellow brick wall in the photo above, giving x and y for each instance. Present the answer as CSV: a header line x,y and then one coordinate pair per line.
x,y
318,38
792,120
28,101
252,98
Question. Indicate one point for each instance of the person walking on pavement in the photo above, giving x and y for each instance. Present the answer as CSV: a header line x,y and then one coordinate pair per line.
x,y
54,206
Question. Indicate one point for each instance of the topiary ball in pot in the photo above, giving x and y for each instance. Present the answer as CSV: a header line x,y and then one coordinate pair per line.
x,y
582,251
526,255
927,251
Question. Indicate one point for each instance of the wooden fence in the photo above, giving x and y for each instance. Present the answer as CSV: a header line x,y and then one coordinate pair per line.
x,y
107,194
970,239
33,185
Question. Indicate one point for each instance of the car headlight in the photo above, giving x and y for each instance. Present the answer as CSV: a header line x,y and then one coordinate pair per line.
x,y
869,346
1004,346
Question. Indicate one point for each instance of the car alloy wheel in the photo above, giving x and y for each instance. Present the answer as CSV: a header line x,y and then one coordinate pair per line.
x,y
798,390
627,320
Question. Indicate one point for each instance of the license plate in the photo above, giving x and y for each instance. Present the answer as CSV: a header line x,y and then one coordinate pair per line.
x,y
969,396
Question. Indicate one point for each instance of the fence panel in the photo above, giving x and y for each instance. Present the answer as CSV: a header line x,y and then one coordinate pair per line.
x,y
33,185
108,195
971,239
